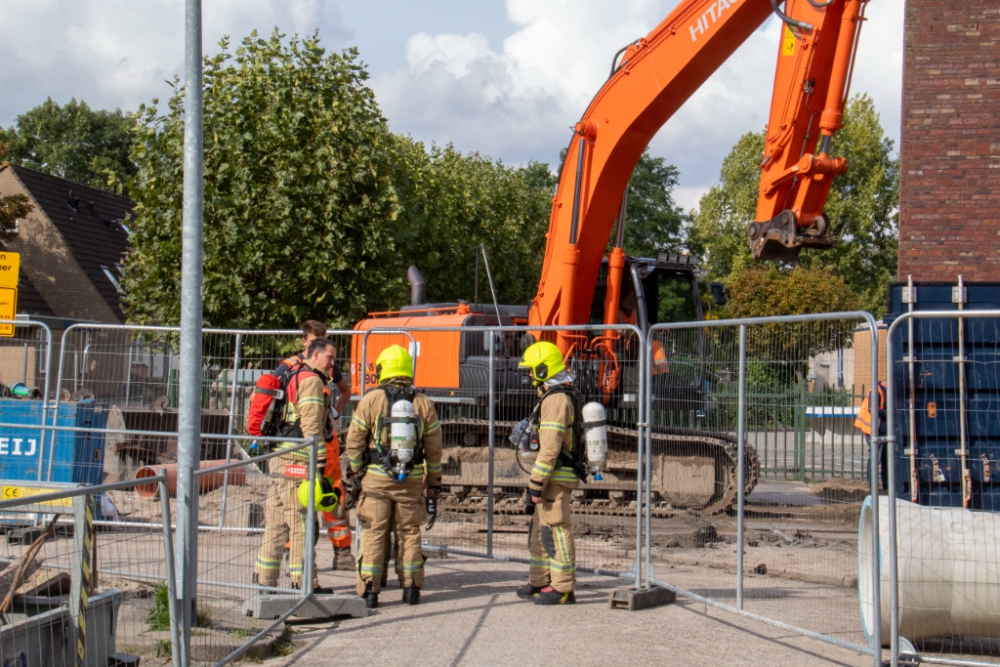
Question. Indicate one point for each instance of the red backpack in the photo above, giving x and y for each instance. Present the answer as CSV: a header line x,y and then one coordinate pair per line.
x,y
267,406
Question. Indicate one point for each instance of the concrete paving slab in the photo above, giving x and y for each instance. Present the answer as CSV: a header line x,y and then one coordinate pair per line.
x,y
469,616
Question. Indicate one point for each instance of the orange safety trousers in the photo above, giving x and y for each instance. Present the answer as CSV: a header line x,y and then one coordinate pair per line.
x,y
337,530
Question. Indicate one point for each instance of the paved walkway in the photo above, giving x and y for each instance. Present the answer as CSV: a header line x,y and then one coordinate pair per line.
x,y
470,617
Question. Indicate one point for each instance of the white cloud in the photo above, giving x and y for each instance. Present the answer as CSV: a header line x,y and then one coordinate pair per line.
x,y
518,101
455,52
117,53
514,99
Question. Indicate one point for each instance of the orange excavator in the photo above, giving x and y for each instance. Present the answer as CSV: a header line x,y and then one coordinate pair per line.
x,y
583,283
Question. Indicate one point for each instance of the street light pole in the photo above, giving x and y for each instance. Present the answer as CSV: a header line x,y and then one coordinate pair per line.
x,y
189,402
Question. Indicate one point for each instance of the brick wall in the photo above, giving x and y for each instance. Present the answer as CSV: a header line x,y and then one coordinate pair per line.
x,y
949,213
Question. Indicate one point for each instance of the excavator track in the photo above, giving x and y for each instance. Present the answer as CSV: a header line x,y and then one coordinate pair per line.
x,y
692,471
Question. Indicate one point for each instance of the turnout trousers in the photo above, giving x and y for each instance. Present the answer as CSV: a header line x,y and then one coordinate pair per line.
x,y
284,521
337,530
550,541
386,505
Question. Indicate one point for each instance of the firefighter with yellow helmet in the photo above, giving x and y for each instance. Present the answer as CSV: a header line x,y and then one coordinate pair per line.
x,y
552,568
394,451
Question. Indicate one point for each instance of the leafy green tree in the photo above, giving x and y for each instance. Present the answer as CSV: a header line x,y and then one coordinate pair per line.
x,y
299,204
718,230
654,221
12,208
450,203
862,207
767,291
73,141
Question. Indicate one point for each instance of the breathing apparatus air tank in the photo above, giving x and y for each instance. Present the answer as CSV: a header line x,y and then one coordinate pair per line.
x,y
595,432
402,436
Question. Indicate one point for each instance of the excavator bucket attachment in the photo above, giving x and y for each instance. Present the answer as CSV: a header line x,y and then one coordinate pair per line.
x,y
780,239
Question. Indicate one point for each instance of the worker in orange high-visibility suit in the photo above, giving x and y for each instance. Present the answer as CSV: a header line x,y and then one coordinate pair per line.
x,y
863,422
337,530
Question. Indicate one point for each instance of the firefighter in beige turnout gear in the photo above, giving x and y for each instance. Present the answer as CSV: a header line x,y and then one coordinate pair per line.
x,y
305,416
390,493
552,563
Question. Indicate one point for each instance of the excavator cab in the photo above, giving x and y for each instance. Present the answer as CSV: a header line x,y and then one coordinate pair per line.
x,y
653,291
659,291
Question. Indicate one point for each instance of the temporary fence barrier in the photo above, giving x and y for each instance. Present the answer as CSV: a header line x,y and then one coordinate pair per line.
x,y
487,398
943,524
471,374
782,551
25,356
78,590
25,360
229,548
127,516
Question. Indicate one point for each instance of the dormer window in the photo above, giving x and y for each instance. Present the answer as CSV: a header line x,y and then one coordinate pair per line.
x,y
111,277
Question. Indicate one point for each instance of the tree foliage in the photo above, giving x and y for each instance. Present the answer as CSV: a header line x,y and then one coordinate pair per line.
x,y
73,142
654,221
450,203
861,206
313,209
299,207
12,208
766,292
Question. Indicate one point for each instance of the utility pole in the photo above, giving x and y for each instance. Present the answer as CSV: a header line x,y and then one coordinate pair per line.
x,y
189,402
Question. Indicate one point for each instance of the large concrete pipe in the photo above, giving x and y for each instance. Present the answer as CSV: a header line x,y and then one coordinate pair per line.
x,y
949,571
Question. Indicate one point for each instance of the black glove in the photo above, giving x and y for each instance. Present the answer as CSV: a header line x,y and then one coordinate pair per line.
x,y
352,489
534,498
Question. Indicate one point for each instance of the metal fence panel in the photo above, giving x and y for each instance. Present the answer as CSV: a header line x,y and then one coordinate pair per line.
x,y
787,550
471,374
80,587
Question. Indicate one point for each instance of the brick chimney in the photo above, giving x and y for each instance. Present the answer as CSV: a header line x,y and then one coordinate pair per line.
x,y
949,213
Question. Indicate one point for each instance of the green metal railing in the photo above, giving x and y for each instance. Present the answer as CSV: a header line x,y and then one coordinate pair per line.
x,y
798,434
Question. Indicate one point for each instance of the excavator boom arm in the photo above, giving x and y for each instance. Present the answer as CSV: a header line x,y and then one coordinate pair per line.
x,y
650,81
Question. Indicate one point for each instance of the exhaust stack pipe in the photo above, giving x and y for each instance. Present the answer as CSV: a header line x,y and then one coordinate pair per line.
x,y
418,291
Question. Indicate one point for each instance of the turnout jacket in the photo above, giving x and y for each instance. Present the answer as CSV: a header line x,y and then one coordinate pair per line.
x,y
307,407
362,454
555,434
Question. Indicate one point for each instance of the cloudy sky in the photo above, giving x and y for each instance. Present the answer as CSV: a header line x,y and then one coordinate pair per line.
x,y
506,78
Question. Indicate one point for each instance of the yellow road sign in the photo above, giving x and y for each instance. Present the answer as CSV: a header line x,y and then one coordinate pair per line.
x,y
10,264
8,310
25,492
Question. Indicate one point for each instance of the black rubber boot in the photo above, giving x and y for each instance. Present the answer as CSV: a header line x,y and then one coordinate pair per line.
x,y
549,595
528,591
371,597
411,595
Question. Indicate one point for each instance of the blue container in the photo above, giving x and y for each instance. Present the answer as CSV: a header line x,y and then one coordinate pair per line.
x,y
78,457
937,396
